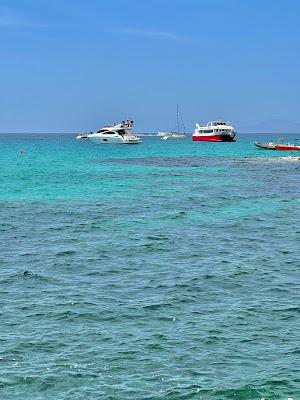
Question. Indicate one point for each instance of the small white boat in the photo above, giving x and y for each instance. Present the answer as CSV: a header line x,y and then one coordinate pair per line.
x,y
269,146
116,134
173,134
82,136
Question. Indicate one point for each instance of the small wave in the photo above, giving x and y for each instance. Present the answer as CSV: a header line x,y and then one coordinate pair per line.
x,y
5,226
156,306
158,238
151,247
33,275
66,253
179,215
270,159
27,276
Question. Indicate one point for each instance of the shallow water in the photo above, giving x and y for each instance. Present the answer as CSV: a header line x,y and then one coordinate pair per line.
x,y
167,270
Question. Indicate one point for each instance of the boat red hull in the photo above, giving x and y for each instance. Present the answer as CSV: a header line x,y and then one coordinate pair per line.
x,y
287,147
213,138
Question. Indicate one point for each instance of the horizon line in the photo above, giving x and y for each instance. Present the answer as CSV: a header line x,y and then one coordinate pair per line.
x,y
141,133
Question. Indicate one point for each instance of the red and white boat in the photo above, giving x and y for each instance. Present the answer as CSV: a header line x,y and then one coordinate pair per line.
x,y
287,147
214,131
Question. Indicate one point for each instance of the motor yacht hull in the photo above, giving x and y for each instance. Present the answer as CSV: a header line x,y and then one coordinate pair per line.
x,y
105,139
114,139
213,138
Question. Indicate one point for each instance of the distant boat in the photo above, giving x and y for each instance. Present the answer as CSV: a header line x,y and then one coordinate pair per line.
x,y
117,134
82,136
267,146
278,146
214,131
174,134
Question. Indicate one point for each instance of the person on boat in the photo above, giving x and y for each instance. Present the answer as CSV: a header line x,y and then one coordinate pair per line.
x,y
271,143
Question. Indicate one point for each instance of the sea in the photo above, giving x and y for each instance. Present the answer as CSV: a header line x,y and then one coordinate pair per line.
x,y
164,270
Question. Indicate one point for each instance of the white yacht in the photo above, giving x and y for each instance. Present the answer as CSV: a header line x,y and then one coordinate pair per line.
x,y
117,133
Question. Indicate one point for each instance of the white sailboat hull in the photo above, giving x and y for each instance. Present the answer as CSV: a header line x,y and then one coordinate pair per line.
x,y
171,135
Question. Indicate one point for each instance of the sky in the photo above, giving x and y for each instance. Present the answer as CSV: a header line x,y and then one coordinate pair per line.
x,y
76,65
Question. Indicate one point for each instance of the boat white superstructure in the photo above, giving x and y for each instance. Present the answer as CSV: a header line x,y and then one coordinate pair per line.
x,y
116,133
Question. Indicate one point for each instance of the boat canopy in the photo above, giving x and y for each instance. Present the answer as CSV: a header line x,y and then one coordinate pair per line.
x,y
216,123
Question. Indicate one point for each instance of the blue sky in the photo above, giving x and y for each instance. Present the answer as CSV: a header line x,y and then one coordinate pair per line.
x,y
73,65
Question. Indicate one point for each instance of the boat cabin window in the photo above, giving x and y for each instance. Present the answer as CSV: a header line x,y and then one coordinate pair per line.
x,y
106,132
121,132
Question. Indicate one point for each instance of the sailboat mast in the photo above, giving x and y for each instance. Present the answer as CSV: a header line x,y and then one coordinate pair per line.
x,y
181,120
177,120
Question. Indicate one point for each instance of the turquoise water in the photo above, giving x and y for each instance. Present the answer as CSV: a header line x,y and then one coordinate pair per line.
x,y
166,270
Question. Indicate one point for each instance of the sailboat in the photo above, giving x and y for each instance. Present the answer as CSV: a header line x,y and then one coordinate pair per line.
x,y
174,134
